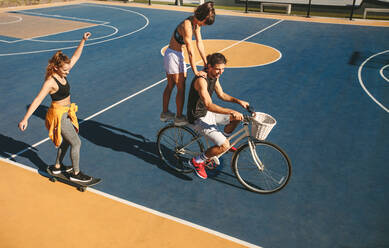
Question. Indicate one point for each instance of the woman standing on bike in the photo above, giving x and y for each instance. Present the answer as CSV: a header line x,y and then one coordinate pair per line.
x,y
61,119
174,62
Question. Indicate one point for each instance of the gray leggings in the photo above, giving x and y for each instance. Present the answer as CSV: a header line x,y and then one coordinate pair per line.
x,y
69,137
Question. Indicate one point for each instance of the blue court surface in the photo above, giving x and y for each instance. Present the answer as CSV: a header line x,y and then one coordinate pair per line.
x,y
329,93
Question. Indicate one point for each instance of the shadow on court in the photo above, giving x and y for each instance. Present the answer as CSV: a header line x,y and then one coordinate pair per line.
x,y
119,140
357,58
11,146
122,140
223,174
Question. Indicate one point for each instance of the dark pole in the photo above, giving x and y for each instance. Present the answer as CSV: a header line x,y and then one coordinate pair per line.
x,y
352,11
246,6
309,9
149,2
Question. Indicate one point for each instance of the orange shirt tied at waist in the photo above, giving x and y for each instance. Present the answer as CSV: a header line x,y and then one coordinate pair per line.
x,y
53,120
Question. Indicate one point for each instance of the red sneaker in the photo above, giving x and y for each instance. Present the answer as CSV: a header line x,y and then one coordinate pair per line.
x,y
199,168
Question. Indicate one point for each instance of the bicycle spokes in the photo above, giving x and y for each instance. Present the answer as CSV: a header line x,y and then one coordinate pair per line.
x,y
273,172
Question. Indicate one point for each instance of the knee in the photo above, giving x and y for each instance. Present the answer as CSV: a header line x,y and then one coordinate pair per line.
x,y
225,146
181,86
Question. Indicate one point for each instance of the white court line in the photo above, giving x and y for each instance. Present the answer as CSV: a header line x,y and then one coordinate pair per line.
x,y
382,73
19,19
146,209
121,101
363,85
92,43
260,31
91,116
98,22
61,16
115,31
63,32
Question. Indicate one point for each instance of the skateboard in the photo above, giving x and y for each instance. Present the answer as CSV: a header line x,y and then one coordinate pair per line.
x,y
64,178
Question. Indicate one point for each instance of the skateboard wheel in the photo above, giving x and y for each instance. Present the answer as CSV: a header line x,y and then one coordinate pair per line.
x,y
53,179
82,189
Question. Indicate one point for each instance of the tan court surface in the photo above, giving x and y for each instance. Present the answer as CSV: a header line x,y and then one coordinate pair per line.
x,y
239,54
25,26
38,213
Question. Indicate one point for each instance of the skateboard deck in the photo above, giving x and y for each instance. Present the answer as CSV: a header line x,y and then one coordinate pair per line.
x,y
64,178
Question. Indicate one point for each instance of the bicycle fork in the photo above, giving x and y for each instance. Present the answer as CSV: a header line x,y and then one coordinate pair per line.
x,y
254,155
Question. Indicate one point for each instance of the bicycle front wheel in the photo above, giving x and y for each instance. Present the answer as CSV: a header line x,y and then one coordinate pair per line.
x,y
176,145
272,174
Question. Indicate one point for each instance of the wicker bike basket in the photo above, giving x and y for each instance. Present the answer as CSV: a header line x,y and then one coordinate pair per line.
x,y
262,124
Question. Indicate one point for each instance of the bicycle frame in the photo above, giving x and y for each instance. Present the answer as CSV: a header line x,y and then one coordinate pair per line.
x,y
245,133
267,173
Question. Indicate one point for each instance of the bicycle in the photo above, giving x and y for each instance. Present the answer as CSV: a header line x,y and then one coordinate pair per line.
x,y
260,166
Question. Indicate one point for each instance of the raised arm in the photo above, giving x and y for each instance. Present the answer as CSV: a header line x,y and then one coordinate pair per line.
x,y
78,52
45,90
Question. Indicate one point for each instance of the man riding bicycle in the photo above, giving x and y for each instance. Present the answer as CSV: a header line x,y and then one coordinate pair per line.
x,y
206,115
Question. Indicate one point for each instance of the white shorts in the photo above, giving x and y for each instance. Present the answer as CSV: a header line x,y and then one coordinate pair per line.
x,y
174,62
207,126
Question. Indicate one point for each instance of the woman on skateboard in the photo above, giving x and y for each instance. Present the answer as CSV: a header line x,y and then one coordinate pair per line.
x,y
61,120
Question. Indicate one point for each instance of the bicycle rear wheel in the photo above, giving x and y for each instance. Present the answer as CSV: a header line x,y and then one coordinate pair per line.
x,y
176,145
276,167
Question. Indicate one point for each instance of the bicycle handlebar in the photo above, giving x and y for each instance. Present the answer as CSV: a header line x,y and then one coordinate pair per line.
x,y
251,111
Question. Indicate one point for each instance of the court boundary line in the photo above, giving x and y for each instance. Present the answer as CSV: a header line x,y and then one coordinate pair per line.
x,y
382,73
129,97
92,43
59,17
363,85
11,22
145,209
37,39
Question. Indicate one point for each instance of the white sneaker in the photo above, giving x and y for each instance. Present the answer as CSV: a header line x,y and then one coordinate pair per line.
x,y
180,121
166,116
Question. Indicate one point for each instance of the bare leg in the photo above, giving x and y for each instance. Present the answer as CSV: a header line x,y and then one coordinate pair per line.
x,y
167,92
179,81
216,150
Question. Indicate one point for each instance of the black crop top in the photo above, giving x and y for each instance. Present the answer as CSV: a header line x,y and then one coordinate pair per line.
x,y
63,91
177,36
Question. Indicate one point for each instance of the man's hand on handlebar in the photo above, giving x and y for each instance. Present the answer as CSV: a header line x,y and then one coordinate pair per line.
x,y
236,116
244,104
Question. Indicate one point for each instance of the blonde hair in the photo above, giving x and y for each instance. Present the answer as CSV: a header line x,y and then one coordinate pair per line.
x,y
57,61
